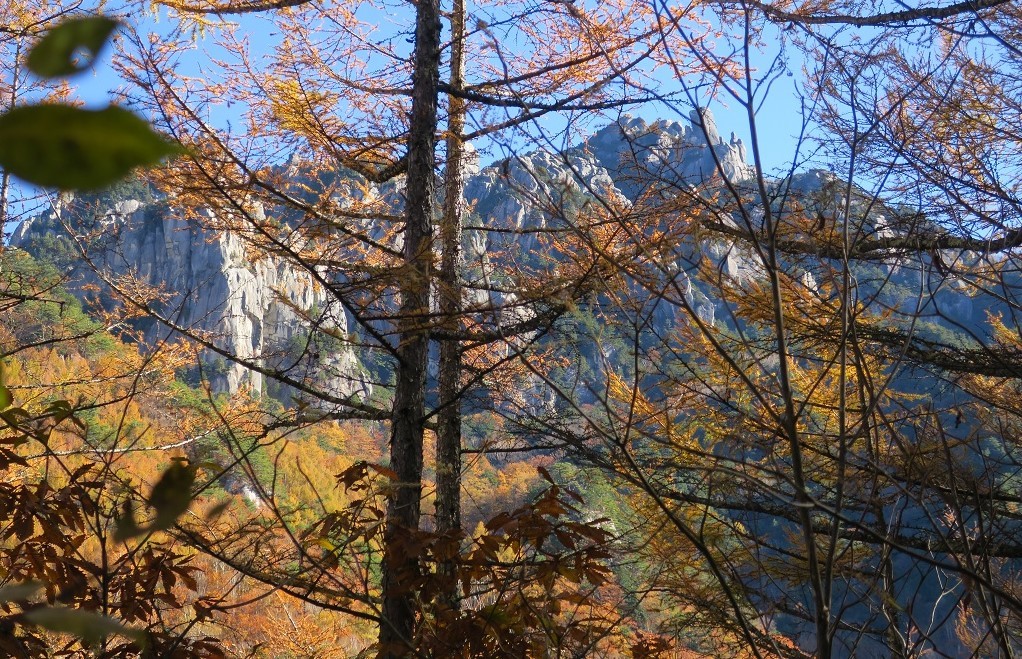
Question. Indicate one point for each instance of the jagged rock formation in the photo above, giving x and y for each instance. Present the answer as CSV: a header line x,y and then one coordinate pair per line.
x,y
251,309
668,151
616,166
210,286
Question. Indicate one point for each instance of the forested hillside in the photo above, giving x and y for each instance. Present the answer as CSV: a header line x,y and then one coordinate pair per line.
x,y
450,330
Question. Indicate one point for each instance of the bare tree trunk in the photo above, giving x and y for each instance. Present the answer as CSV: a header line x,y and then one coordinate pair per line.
x,y
448,451
401,570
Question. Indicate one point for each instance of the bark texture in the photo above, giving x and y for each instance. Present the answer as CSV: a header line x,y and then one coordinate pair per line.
x,y
401,569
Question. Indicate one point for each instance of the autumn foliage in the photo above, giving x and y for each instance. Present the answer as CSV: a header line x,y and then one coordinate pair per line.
x,y
664,398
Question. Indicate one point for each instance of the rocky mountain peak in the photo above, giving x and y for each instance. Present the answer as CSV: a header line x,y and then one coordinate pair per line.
x,y
254,309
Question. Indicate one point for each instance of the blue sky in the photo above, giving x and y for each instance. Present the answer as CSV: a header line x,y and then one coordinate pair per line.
x,y
778,118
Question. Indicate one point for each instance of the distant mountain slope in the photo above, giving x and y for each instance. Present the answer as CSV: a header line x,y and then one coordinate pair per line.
x,y
703,281
261,310
248,307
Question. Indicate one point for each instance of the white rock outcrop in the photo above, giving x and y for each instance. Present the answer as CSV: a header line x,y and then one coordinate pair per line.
x,y
211,286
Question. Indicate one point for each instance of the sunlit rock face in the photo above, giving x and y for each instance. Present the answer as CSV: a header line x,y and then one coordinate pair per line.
x,y
620,162
205,282
668,153
253,308
257,309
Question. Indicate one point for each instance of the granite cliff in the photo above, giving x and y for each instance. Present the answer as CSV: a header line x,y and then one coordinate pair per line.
x,y
263,310
260,310
208,284
253,309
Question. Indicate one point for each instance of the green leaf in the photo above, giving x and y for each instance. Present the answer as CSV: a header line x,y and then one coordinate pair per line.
x,y
218,510
20,591
172,494
71,47
86,625
5,394
125,526
171,497
14,417
60,409
60,146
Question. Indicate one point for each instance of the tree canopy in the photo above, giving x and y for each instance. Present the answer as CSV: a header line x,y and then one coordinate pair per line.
x,y
462,331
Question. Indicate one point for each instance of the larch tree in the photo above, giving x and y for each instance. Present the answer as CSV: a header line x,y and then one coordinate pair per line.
x,y
802,382
808,394
450,303
335,117
401,562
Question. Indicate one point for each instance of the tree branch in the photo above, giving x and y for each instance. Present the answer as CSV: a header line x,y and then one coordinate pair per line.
x,y
893,18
